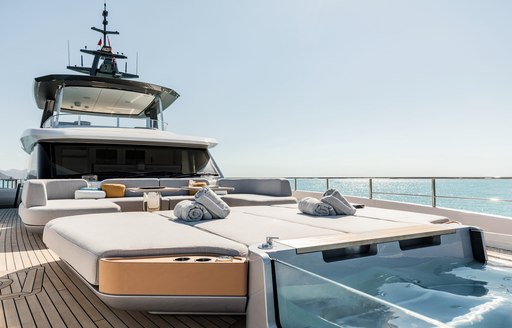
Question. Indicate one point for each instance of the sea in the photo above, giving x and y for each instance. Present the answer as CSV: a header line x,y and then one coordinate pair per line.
x,y
494,195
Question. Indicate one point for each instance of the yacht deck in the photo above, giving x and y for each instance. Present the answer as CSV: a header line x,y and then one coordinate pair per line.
x,y
38,290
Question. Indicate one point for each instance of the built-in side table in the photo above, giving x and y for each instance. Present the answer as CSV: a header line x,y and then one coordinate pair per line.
x,y
215,189
152,196
186,275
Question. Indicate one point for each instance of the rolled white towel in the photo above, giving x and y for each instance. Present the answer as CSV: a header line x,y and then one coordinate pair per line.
x,y
338,202
191,211
216,206
313,206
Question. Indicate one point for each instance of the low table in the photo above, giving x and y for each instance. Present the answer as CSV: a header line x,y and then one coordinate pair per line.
x,y
152,196
215,189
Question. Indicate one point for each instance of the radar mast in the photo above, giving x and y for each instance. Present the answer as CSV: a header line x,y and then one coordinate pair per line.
x,y
108,68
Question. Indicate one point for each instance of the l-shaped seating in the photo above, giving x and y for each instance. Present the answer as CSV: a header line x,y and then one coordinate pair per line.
x,y
44,200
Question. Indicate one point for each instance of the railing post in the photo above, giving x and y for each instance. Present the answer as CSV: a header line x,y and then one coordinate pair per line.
x,y
327,183
434,192
295,183
370,187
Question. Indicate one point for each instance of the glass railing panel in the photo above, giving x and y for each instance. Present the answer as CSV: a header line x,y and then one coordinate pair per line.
x,y
415,191
420,200
492,189
351,187
308,300
74,120
305,184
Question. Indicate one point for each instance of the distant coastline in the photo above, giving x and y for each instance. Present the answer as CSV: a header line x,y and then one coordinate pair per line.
x,y
13,174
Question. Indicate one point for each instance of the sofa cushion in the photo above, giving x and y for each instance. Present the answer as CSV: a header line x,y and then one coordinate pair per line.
x,y
256,200
271,187
113,190
83,240
63,188
34,193
40,215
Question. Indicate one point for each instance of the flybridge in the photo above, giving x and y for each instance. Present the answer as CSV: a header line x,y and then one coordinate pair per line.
x,y
101,96
104,92
109,66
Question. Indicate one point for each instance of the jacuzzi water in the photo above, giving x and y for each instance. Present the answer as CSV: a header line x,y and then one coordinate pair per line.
x,y
460,294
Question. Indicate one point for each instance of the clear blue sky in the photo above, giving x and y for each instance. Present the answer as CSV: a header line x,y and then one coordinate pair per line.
x,y
294,87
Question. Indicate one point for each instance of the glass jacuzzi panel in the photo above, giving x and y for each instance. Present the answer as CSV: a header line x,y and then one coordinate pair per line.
x,y
308,300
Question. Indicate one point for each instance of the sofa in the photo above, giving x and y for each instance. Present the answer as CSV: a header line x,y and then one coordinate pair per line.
x,y
44,200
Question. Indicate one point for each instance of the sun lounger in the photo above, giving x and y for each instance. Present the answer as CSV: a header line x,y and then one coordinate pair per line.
x,y
83,240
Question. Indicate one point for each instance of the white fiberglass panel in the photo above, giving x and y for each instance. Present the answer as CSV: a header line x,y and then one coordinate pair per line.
x,y
105,101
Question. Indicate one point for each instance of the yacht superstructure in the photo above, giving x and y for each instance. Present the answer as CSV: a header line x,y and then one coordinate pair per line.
x,y
106,125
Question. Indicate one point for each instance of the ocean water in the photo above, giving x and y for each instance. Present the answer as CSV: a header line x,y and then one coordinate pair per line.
x,y
460,294
438,290
495,189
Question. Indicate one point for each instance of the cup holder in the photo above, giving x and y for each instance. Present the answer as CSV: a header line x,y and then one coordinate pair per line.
x,y
203,259
224,259
182,259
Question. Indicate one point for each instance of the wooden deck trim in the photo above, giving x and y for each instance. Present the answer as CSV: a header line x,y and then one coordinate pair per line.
x,y
63,300
324,243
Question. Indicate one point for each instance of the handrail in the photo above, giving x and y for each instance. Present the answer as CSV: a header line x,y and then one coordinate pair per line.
x,y
433,186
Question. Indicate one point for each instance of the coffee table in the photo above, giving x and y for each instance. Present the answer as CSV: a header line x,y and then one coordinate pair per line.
x,y
152,196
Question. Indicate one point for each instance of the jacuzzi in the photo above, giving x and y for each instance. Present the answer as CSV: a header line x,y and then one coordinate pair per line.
x,y
424,279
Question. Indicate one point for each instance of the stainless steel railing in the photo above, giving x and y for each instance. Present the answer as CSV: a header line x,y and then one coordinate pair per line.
x,y
433,187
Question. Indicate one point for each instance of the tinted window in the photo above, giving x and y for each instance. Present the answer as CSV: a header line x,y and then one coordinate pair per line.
x,y
108,161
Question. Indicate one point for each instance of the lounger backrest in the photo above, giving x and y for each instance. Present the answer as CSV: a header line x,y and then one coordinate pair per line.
x,y
134,183
34,193
264,186
63,188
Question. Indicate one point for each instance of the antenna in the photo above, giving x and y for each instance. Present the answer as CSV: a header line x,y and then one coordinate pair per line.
x,y
82,60
69,60
125,67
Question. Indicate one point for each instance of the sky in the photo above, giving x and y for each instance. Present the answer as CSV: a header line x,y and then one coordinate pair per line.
x,y
293,87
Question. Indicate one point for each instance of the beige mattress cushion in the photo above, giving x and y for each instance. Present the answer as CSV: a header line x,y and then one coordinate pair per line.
x,y
341,223
40,215
83,240
393,215
251,229
401,216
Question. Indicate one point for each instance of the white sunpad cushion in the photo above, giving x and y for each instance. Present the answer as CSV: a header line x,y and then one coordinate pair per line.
x,y
40,215
251,229
340,223
83,240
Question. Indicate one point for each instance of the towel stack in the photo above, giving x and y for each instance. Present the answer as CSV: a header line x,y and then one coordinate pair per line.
x,y
332,203
205,206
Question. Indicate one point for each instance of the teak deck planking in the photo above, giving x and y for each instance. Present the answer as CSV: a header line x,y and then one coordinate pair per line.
x,y
38,290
